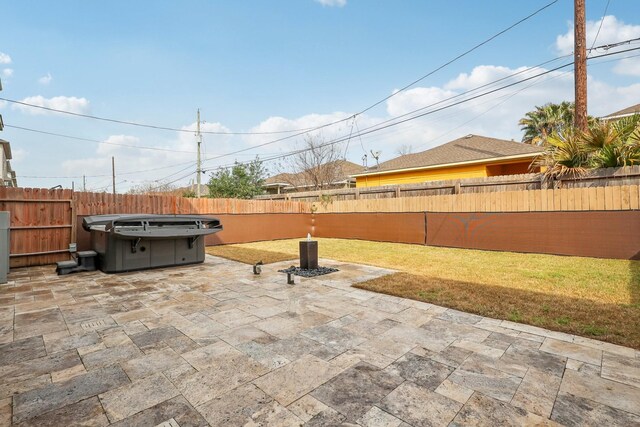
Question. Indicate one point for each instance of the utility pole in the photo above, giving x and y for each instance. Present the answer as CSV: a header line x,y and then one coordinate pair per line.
x,y
199,165
113,174
84,184
580,66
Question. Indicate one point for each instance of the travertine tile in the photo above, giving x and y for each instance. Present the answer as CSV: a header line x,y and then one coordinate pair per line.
x,y
572,350
376,417
87,412
152,363
35,367
537,392
66,374
290,382
307,407
224,372
247,405
354,391
454,391
176,409
572,410
482,410
482,377
22,350
607,392
621,368
122,402
58,395
110,356
420,370
419,406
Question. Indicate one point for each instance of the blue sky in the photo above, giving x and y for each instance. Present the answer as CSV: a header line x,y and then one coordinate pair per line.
x,y
274,66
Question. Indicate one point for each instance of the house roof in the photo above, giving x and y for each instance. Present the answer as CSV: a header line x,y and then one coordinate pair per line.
x,y
345,169
629,111
468,149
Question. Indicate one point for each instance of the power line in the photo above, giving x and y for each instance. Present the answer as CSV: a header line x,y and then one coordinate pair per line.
x,y
377,127
130,123
125,122
604,14
461,55
95,140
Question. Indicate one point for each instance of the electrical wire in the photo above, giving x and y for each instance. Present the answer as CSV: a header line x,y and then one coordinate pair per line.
x,y
377,127
465,53
125,122
604,14
95,140
298,131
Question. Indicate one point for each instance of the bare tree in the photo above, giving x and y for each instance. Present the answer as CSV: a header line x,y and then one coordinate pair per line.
x,y
316,166
404,149
152,187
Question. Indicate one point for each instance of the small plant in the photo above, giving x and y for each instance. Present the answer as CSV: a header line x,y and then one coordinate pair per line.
x,y
594,330
326,200
546,308
563,320
515,316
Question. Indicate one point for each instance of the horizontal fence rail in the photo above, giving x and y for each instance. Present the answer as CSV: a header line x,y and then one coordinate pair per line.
x,y
629,175
626,197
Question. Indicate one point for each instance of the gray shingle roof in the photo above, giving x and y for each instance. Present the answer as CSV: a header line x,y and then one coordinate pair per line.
x,y
344,170
625,112
466,149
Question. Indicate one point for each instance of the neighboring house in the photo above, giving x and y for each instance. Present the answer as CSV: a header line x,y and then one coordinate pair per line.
x,y
330,175
7,175
629,111
471,156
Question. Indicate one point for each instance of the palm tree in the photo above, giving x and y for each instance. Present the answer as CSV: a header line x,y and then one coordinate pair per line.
x,y
540,123
614,143
566,154
605,145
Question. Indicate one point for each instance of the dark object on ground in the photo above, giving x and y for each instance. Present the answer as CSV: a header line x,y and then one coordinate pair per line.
x,y
309,273
82,261
308,254
257,267
138,242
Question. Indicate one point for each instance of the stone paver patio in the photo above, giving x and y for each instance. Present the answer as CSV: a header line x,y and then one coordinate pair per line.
x,y
212,344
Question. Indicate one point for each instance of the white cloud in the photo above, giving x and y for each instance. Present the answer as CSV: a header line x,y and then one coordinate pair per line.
x,y
612,31
45,80
628,66
415,98
111,145
332,3
4,58
64,103
7,72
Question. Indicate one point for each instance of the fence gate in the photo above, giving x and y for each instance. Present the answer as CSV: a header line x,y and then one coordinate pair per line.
x,y
42,224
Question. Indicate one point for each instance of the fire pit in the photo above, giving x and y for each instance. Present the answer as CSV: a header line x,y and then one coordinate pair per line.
x,y
138,242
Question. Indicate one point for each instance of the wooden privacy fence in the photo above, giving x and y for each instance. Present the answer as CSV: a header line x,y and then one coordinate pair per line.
x,y
626,197
44,222
629,175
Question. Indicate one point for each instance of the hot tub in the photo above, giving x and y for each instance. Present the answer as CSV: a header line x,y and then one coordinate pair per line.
x,y
138,242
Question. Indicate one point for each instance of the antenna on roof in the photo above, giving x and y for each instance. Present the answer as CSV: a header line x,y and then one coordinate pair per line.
x,y
376,155
364,160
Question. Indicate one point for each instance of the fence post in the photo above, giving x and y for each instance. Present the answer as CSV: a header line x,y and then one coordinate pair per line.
x,y
397,191
457,188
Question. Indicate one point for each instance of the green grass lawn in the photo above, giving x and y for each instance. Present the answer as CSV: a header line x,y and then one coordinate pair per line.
x,y
585,296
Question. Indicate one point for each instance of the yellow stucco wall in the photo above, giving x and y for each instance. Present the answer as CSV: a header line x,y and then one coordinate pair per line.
x,y
414,177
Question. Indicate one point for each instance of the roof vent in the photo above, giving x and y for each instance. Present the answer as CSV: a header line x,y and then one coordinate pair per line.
x,y
468,136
